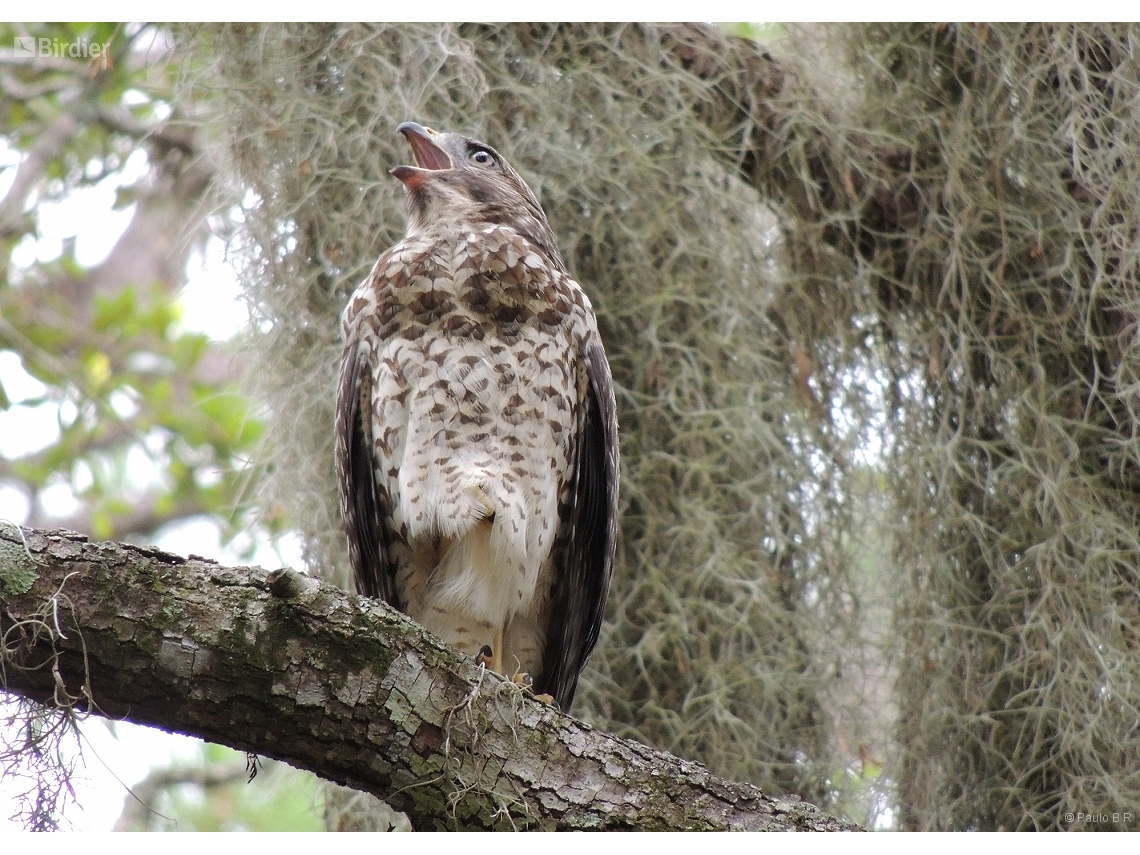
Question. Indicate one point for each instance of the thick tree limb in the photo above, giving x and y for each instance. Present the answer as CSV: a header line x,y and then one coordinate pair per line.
x,y
282,665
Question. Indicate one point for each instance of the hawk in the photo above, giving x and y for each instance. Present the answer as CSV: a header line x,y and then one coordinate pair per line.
x,y
476,429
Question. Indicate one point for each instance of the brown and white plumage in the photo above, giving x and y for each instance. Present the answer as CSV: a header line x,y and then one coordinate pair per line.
x,y
476,431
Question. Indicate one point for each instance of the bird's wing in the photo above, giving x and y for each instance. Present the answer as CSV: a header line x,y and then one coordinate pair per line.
x,y
584,559
365,506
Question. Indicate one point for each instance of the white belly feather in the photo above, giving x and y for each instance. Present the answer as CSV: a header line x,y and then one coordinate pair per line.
x,y
471,434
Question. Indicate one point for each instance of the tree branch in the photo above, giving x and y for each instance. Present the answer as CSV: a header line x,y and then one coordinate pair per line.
x,y
282,665
136,808
49,143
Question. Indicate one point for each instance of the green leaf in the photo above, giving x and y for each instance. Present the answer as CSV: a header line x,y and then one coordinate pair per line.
x,y
115,310
96,369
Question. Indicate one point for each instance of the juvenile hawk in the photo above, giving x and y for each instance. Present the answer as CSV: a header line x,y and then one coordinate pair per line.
x,y
476,431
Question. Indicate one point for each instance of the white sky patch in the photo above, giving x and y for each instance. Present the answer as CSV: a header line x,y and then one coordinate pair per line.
x,y
112,756
124,403
196,535
116,755
143,471
202,536
58,500
87,215
14,505
27,251
19,385
211,300
25,430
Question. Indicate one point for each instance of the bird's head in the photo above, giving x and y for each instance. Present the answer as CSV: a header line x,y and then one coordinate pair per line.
x,y
461,181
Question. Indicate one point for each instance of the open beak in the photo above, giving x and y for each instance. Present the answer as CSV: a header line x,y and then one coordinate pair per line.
x,y
429,156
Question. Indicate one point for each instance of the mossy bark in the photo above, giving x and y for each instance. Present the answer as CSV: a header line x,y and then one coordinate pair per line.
x,y
279,664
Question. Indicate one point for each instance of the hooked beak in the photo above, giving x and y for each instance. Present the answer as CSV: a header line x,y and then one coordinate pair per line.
x,y
429,156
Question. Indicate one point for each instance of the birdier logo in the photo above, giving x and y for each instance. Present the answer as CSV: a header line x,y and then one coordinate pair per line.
x,y
81,48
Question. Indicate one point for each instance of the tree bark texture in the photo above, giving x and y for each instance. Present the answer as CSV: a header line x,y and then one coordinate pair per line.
x,y
279,664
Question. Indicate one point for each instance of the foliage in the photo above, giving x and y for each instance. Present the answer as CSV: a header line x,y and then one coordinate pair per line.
x,y
216,792
763,33
145,425
133,392
126,385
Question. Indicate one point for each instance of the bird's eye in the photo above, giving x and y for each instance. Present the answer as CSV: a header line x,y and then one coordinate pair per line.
x,y
483,158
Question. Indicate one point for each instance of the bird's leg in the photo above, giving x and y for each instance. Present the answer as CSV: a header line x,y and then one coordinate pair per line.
x,y
497,650
492,658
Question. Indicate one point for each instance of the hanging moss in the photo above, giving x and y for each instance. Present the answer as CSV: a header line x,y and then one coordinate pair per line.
x,y
731,596
871,297
1015,361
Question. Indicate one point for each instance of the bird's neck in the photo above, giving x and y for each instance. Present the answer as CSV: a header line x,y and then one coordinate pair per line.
x,y
451,231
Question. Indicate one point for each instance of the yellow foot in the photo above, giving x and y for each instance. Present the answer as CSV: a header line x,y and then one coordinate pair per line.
x,y
526,683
